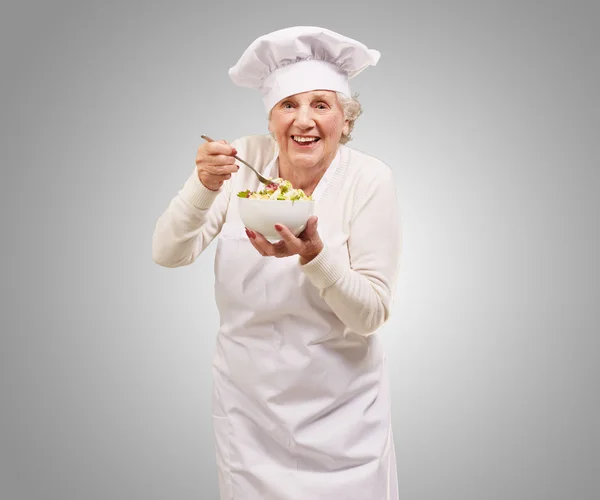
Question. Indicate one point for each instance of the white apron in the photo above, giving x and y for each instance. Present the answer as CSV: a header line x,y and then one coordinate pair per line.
x,y
301,411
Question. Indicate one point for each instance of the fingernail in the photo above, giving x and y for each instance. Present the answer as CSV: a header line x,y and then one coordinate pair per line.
x,y
278,227
251,234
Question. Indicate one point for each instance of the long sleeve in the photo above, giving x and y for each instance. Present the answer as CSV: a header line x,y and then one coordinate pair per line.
x,y
361,294
191,221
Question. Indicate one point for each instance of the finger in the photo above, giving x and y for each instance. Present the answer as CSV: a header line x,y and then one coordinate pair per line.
x,y
260,243
286,235
203,172
291,241
220,147
258,249
222,169
219,159
222,177
213,180
253,243
264,244
311,227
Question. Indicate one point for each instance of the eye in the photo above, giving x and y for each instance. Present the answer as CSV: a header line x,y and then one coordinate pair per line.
x,y
286,105
322,105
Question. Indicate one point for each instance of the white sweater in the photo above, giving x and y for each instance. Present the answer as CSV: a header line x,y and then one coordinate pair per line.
x,y
359,223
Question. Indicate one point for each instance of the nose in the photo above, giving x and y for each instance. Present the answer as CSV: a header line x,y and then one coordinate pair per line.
x,y
304,118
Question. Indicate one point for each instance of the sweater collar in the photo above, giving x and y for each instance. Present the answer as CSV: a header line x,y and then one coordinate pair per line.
x,y
272,170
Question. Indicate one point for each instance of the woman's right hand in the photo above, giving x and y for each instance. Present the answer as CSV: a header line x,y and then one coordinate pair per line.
x,y
215,163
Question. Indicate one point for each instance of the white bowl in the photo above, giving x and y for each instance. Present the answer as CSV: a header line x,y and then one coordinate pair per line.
x,y
262,215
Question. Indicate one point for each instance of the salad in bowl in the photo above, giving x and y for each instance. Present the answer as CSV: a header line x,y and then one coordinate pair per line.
x,y
277,203
279,189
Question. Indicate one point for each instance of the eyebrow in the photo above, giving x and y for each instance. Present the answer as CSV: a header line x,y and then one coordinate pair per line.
x,y
316,97
321,96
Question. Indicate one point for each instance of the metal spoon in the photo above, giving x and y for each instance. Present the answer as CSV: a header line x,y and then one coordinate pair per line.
x,y
261,178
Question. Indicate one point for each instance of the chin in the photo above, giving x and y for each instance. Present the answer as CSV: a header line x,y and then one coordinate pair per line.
x,y
305,161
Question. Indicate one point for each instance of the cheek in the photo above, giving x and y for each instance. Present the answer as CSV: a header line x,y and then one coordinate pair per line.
x,y
334,127
277,127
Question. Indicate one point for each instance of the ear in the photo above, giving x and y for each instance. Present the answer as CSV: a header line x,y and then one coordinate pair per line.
x,y
346,128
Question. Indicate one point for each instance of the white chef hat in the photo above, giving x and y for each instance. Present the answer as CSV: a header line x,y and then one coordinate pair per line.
x,y
301,59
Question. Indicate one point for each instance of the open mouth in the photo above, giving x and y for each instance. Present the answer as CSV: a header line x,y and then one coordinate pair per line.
x,y
305,141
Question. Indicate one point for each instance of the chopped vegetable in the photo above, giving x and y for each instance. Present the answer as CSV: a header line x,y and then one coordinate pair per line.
x,y
278,189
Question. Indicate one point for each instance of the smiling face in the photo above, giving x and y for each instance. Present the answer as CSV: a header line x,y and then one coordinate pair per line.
x,y
308,128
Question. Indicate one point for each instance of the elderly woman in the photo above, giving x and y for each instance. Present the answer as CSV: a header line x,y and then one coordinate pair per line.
x,y
301,405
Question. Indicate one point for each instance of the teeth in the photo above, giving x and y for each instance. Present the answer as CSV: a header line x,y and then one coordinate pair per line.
x,y
304,139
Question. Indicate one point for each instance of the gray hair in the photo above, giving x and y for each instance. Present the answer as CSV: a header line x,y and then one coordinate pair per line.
x,y
352,110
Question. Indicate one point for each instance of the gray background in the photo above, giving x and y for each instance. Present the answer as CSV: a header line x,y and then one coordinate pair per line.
x,y
488,112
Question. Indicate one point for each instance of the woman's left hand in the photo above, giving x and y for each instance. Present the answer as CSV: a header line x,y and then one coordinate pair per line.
x,y
307,244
